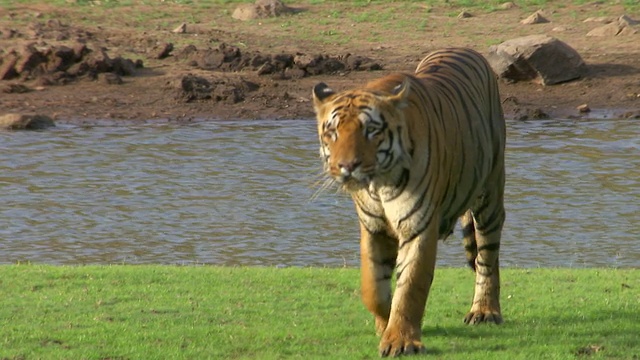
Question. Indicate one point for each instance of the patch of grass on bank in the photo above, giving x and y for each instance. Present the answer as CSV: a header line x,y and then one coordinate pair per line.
x,y
135,312
336,24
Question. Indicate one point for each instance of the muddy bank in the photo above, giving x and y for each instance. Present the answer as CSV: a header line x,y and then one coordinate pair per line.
x,y
72,71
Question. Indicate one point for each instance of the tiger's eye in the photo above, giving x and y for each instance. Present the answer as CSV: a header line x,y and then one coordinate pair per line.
x,y
329,136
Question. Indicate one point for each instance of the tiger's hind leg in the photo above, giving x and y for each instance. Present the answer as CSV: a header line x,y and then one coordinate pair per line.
x,y
485,231
469,238
378,254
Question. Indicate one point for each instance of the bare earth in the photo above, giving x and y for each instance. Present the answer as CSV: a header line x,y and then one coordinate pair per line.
x,y
156,91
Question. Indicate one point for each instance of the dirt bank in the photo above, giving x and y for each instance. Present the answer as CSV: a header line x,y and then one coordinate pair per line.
x,y
91,63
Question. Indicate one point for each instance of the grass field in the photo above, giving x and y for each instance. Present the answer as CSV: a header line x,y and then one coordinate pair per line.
x,y
170,312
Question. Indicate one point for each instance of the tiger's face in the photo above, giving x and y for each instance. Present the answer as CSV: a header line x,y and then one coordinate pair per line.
x,y
357,132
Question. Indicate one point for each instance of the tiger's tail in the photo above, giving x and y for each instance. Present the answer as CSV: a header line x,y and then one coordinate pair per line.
x,y
469,238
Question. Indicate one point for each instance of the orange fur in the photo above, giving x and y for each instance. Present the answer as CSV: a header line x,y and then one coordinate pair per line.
x,y
417,152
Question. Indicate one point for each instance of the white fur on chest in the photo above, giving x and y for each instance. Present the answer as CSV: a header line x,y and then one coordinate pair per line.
x,y
383,209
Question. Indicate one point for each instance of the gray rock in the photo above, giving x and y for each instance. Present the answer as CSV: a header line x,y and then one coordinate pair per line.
x,y
25,122
540,58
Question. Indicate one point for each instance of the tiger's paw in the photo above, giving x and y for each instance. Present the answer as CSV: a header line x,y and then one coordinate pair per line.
x,y
394,345
381,325
478,317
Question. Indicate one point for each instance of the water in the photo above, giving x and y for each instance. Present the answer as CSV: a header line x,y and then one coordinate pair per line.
x,y
241,193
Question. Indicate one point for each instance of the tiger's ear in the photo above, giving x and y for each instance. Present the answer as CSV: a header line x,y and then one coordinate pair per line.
x,y
320,93
400,94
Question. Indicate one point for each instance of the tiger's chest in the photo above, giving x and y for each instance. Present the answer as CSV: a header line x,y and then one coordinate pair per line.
x,y
401,214
384,209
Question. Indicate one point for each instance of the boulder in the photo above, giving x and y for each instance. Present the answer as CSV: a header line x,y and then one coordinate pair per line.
x,y
25,122
541,58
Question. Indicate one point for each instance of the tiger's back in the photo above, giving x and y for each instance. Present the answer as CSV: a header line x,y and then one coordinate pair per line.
x,y
416,152
455,110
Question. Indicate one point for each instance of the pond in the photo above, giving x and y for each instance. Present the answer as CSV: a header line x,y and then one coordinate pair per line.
x,y
246,193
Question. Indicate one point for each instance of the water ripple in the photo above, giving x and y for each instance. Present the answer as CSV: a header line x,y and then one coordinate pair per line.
x,y
240,193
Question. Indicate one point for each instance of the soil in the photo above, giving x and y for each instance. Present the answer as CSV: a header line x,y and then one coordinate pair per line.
x,y
72,68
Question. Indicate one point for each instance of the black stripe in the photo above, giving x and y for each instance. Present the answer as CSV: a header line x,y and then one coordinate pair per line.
x,y
400,185
478,210
467,200
468,229
492,223
366,212
421,229
416,206
492,229
490,247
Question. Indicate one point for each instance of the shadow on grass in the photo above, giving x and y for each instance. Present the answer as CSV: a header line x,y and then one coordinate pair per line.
x,y
610,331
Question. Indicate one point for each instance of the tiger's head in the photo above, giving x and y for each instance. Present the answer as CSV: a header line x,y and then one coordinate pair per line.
x,y
361,132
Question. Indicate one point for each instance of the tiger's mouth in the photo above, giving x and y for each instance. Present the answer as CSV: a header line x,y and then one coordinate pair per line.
x,y
351,180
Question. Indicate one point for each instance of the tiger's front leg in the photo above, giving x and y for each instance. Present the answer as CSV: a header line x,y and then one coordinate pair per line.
x,y
378,254
414,272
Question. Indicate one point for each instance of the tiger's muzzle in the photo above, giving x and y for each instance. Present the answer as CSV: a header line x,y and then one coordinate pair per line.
x,y
351,174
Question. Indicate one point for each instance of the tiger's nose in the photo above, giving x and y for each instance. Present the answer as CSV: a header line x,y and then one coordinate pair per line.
x,y
346,168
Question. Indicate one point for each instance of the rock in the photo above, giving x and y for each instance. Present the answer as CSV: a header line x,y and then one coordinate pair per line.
x,y
162,51
194,88
99,61
600,19
303,61
25,122
62,58
15,89
219,89
266,69
124,67
360,63
541,58
8,66
29,59
261,9
630,115
624,25
294,73
535,18
60,64
531,114
625,20
584,108
610,30
181,29
227,58
111,78
628,30
507,6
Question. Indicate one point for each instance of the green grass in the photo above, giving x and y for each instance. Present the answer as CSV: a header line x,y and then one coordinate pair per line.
x,y
168,312
337,24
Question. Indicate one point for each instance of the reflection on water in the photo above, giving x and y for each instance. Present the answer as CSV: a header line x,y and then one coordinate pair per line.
x,y
239,193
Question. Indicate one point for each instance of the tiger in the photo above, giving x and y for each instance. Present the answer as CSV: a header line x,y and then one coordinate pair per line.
x,y
416,153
